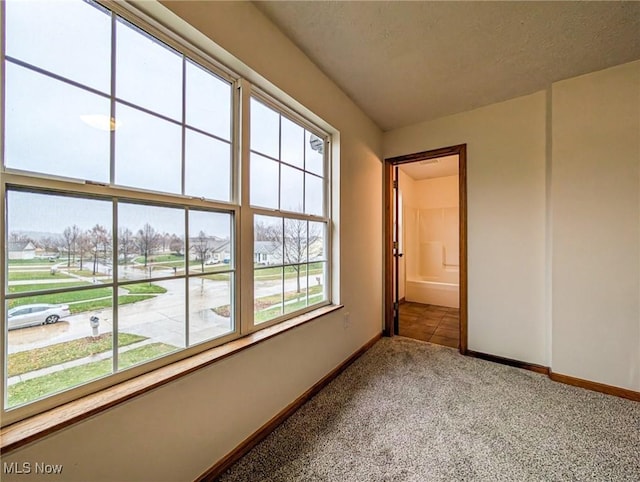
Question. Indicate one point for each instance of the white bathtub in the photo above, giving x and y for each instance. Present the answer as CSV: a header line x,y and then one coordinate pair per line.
x,y
433,292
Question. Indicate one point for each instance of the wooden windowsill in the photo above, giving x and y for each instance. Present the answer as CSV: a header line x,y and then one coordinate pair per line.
x,y
36,427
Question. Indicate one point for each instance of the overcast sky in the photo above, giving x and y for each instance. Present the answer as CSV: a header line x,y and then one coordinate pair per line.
x,y
56,128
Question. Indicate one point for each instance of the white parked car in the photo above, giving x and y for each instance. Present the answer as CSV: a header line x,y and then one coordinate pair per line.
x,y
40,314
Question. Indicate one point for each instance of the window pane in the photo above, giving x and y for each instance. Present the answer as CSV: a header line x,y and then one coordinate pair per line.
x,y
209,242
267,240
314,153
156,241
295,287
210,307
208,167
52,345
148,151
313,195
155,312
149,74
265,129
208,101
317,288
71,39
295,241
292,143
264,179
57,241
291,189
49,130
317,241
267,289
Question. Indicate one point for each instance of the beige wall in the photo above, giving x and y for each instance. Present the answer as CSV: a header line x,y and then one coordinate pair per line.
x,y
506,219
596,221
178,431
554,223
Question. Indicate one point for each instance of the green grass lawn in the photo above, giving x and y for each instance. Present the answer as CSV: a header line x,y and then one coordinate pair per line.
x,y
264,309
87,300
272,273
27,262
45,286
144,288
38,358
35,275
29,390
65,297
159,258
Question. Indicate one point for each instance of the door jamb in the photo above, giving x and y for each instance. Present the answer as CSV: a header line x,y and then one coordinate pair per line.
x,y
389,163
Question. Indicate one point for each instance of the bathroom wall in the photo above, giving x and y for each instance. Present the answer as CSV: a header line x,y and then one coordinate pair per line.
x,y
430,239
431,223
437,231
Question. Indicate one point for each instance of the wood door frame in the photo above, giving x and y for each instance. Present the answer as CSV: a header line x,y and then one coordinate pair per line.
x,y
389,164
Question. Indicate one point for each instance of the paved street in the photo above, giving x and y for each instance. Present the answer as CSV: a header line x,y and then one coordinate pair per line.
x,y
161,318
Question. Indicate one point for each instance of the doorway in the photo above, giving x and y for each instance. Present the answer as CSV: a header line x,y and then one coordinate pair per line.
x,y
432,303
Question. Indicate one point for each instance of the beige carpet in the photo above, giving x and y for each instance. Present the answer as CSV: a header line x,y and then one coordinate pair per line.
x,y
412,411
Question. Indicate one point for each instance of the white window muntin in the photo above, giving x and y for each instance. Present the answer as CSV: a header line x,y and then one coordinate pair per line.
x,y
171,42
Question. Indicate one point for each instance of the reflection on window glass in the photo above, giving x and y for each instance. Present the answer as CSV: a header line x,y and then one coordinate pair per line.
x,y
154,311
210,307
314,153
207,167
264,180
210,246
154,241
265,130
149,74
52,345
208,102
47,130
71,39
148,151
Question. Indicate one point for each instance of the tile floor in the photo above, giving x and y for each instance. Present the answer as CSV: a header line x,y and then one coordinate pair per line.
x,y
432,323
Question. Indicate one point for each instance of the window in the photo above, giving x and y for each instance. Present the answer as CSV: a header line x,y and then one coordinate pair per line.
x,y
287,193
122,202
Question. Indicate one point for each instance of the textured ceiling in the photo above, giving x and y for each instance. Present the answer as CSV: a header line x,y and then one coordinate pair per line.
x,y
406,62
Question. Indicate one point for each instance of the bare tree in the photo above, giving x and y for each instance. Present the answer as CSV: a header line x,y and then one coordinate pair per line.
x,y
100,243
125,243
70,237
166,241
82,246
147,240
202,248
266,232
176,244
297,238
50,244
19,238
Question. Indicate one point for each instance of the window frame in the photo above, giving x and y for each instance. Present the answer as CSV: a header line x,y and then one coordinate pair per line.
x,y
251,211
239,205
